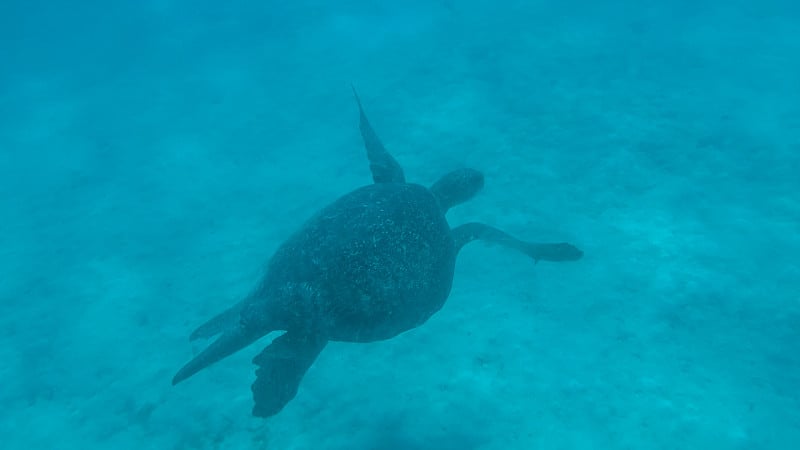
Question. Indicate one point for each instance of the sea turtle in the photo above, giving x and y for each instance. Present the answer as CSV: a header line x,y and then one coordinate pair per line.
x,y
375,263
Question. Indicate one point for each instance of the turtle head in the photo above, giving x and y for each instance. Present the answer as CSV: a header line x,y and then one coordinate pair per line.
x,y
457,187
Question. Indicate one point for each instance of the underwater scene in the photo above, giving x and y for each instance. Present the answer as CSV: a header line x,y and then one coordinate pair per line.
x,y
438,224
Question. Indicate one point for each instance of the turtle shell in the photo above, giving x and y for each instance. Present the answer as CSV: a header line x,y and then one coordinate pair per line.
x,y
374,263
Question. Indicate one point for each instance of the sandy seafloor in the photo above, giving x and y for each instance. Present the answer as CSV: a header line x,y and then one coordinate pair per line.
x,y
154,154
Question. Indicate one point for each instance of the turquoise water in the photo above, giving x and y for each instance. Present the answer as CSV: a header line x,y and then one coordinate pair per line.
x,y
154,154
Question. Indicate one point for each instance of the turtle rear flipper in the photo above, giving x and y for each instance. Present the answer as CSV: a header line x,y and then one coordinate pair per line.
x,y
231,341
555,252
282,365
219,323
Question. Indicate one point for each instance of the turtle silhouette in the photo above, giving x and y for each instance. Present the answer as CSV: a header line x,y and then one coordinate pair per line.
x,y
374,263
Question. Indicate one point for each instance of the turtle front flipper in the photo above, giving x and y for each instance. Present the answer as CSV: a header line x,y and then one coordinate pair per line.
x,y
555,252
384,167
282,365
